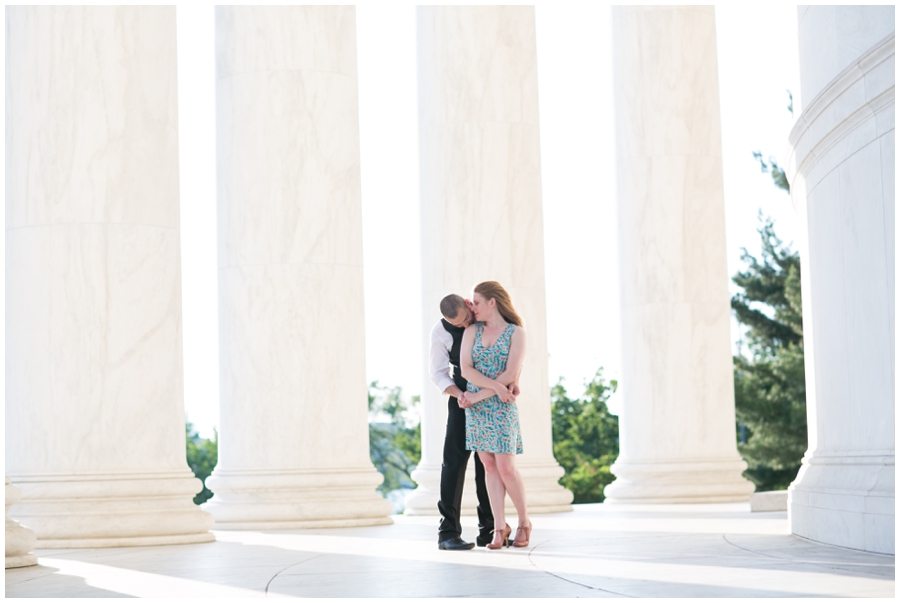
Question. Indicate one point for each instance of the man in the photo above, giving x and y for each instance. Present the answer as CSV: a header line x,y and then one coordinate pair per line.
x,y
446,341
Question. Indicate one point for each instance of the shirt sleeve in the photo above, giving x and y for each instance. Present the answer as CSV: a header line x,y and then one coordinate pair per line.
x,y
439,359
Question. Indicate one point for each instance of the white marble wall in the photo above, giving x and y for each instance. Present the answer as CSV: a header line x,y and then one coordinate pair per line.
x,y
842,184
94,402
480,186
677,435
294,447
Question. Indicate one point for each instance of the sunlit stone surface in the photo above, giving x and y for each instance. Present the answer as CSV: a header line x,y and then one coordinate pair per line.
x,y
294,446
597,551
677,439
480,182
19,539
94,402
842,185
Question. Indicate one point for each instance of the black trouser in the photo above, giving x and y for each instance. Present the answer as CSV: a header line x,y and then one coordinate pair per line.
x,y
453,477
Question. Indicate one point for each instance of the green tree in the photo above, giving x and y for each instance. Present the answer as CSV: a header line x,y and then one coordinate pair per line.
x,y
769,382
395,436
202,456
770,166
585,437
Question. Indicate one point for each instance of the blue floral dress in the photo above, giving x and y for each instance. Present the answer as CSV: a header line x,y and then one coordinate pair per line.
x,y
492,425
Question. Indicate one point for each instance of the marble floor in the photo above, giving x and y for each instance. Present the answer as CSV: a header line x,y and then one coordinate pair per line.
x,y
597,551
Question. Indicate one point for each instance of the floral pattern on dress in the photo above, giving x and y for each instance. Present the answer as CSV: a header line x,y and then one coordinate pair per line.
x,y
492,425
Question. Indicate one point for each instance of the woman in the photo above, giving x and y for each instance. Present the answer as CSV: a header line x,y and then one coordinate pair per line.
x,y
491,358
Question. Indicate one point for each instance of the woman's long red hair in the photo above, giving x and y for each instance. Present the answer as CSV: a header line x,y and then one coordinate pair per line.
x,y
494,290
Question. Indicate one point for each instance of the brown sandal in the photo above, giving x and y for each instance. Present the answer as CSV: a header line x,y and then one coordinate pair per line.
x,y
504,540
524,541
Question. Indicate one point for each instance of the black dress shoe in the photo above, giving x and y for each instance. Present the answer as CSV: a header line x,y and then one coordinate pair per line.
x,y
455,544
484,539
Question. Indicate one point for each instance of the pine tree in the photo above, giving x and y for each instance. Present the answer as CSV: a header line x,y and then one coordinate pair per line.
x,y
769,383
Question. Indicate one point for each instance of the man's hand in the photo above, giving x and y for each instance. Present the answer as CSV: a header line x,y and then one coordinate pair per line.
x,y
454,391
464,402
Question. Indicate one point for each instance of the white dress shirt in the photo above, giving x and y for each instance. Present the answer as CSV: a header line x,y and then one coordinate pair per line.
x,y
440,369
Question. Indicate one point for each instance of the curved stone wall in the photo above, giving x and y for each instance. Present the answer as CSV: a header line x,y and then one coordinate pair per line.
x,y
841,171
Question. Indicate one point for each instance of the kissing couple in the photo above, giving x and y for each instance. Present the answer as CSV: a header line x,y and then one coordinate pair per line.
x,y
476,356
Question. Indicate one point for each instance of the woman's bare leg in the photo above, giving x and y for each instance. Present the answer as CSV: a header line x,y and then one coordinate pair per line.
x,y
512,482
495,488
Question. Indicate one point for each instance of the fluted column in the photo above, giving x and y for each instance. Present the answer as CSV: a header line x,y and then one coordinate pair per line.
x,y
480,178
294,446
842,185
94,401
676,429
19,539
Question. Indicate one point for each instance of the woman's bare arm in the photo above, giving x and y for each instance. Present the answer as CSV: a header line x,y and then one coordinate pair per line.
x,y
515,359
512,386
482,394
473,375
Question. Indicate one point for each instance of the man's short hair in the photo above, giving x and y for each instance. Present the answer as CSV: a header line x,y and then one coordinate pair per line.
x,y
451,305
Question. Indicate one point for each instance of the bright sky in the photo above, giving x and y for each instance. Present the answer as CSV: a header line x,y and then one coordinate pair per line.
x,y
757,63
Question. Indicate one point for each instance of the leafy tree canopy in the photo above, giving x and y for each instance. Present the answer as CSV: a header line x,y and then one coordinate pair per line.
x,y
395,436
202,456
585,437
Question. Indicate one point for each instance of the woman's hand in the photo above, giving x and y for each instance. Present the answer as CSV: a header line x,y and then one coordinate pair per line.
x,y
470,399
514,392
503,392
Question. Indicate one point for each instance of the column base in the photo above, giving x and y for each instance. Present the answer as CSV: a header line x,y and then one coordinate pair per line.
x,y
21,561
661,482
543,494
845,500
109,510
19,543
424,499
284,500
19,540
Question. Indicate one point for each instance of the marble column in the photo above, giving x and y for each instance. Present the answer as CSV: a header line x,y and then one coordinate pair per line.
x,y
294,445
676,429
19,540
480,179
841,171
94,401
